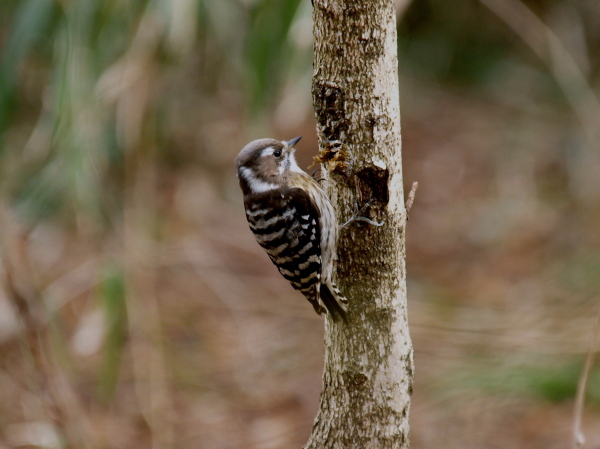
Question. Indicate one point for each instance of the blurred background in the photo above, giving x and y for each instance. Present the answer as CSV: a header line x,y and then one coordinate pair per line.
x,y
136,309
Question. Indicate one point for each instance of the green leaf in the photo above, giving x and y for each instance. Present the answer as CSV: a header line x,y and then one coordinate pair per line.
x,y
112,298
32,25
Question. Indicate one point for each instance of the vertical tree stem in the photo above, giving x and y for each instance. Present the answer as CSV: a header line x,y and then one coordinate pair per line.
x,y
368,373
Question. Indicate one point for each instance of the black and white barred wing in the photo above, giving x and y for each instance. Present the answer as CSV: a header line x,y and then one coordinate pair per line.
x,y
285,223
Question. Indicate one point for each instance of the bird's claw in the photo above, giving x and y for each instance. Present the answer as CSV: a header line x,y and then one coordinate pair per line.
x,y
357,217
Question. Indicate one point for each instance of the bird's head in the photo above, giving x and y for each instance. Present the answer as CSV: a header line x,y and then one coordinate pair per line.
x,y
266,164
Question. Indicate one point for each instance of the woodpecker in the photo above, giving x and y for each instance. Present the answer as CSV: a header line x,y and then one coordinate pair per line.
x,y
293,220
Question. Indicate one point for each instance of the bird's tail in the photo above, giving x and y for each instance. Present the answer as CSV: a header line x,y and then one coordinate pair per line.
x,y
334,301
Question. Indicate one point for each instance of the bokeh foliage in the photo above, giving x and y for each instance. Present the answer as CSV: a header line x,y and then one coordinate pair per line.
x,y
61,144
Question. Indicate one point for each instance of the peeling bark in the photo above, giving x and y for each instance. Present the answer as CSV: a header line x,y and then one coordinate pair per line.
x,y
368,373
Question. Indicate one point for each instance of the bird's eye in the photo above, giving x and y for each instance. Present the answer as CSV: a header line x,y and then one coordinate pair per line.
x,y
277,153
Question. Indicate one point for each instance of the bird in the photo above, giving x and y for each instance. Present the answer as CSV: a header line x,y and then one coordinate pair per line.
x,y
293,220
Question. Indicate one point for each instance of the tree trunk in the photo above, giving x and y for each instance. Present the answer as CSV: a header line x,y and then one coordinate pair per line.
x,y
368,373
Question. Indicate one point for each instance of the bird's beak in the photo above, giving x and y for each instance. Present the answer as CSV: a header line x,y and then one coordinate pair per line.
x,y
291,143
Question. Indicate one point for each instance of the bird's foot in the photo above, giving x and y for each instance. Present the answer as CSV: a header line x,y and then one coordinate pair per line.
x,y
358,217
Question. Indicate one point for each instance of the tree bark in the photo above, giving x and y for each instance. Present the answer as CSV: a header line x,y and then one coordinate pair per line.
x,y
367,380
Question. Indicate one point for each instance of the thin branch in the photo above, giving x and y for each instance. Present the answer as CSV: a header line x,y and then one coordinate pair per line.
x,y
411,197
57,396
61,404
578,436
